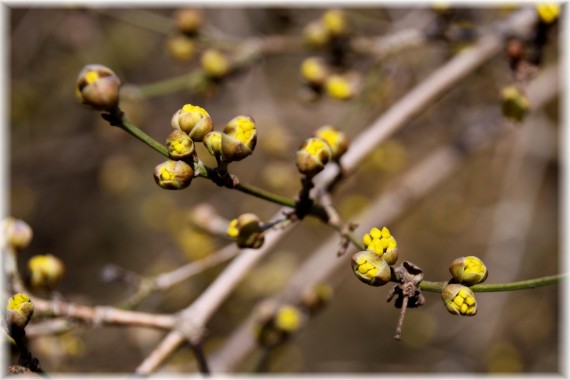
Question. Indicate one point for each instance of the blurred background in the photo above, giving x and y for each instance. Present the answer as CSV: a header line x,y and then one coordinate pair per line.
x,y
87,190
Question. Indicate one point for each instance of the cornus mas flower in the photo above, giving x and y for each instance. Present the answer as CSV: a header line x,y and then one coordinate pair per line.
x,y
179,145
337,140
312,156
193,120
173,175
548,12
188,21
215,63
515,104
314,71
382,243
459,299
288,319
45,271
213,143
342,86
98,87
468,270
19,310
315,34
16,233
370,268
246,229
238,138
335,22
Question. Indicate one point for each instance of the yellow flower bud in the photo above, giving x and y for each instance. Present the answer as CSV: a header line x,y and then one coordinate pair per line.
x,y
382,243
315,71
315,34
288,319
193,120
342,87
213,143
336,140
215,63
179,145
16,233
515,104
173,175
19,310
188,21
312,156
246,229
548,12
98,87
468,270
45,271
371,268
335,22
181,47
238,138
459,299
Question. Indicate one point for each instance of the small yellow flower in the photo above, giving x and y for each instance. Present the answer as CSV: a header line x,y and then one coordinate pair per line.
x,y
16,233
468,270
98,87
312,156
515,104
315,71
315,34
335,22
382,243
173,175
343,86
215,63
181,47
46,271
239,138
179,145
548,12
188,21
213,143
459,299
19,310
193,120
288,319
246,229
337,140
370,268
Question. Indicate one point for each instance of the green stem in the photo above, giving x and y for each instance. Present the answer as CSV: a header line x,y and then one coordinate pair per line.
x,y
432,286
172,85
264,194
139,134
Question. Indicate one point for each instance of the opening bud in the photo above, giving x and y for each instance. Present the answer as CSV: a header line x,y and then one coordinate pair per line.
x,y
288,319
246,229
188,21
19,310
312,156
46,271
337,140
515,104
459,299
342,86
382,243
193,120
16,233
98,87
213,143
173,175
335,22
215,63
181,47
315,71
371,268
315,34
179,145
548,12
468,270
239,138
